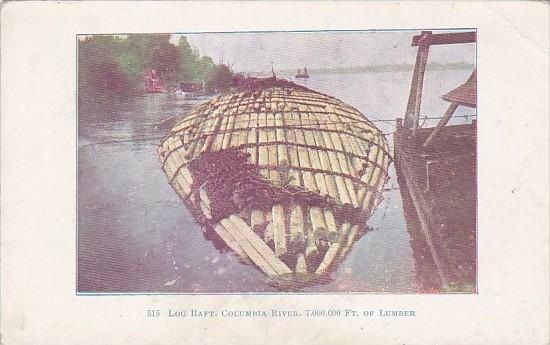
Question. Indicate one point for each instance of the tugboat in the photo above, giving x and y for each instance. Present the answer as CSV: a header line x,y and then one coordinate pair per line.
x,y
301,74
284,176
152,83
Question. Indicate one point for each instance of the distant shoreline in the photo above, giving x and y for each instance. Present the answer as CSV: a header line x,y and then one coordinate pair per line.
x,y
381,68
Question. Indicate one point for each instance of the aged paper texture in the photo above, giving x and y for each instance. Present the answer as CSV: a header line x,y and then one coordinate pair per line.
x,y
274,173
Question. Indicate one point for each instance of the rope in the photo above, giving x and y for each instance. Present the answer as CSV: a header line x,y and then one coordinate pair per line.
x,y
304,126
381,222
371,119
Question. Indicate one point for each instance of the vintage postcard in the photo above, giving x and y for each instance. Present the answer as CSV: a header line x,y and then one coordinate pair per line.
x,y
208,179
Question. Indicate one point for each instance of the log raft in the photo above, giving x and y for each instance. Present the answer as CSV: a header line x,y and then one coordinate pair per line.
x,y
283,176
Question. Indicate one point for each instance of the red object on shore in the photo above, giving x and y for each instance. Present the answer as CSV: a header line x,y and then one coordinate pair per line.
x,y
152,83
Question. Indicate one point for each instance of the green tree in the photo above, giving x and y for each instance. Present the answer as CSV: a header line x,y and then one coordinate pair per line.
x,y
166,60
188,60
219,80
115,65
205,67
98,67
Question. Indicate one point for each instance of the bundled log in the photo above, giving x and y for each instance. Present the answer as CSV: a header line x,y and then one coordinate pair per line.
x,y
297,238
279,229
284,176
263,155
332,252
343,191
257,220
324,160
272,149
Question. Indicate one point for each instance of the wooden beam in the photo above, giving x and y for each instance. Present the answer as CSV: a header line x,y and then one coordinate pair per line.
x,y
415,95
250,250
446,38
279,229
424,41
230,241
450,111
259,245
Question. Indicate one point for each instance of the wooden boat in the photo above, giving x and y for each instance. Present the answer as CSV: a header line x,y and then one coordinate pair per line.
x,y
284,176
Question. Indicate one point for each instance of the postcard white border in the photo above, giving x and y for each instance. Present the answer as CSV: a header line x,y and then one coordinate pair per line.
x,y
38,301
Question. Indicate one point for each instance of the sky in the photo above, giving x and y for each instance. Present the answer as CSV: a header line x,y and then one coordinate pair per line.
x,y
255,52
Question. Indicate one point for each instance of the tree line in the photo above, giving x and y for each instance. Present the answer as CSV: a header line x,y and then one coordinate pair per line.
x,y
115,65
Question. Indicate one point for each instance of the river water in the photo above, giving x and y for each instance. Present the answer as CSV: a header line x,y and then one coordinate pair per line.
x,y
135,235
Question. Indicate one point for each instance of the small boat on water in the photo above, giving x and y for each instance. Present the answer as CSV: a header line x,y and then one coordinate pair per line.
x,y
152,83
302,74
284,176
190,90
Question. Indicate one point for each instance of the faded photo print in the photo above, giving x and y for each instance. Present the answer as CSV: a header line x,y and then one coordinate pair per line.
x,y
277,162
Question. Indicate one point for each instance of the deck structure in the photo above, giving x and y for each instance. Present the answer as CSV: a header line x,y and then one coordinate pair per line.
x,y
284,176
436,172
